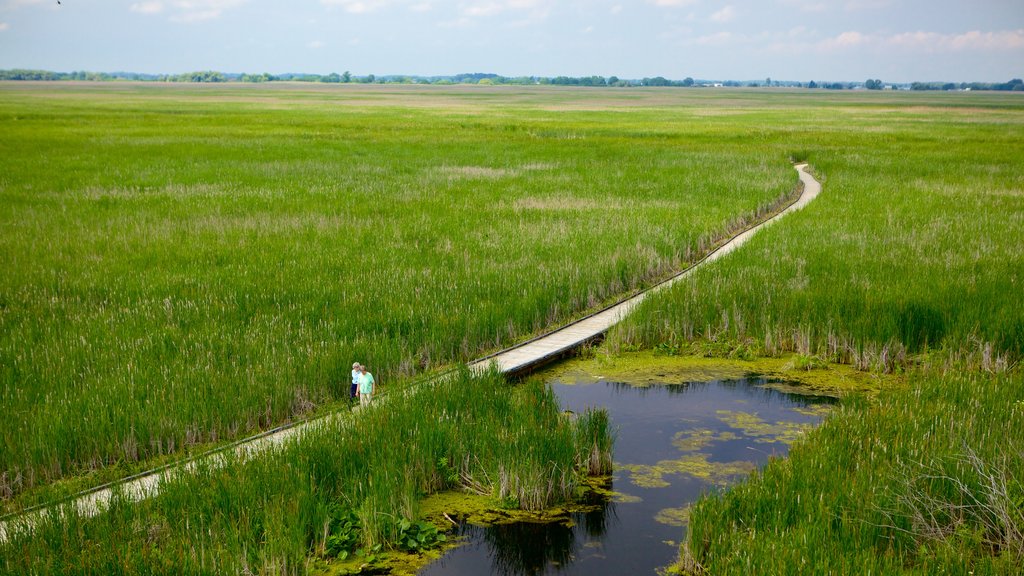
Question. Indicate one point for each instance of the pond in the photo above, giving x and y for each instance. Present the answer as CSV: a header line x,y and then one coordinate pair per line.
x,y
674,442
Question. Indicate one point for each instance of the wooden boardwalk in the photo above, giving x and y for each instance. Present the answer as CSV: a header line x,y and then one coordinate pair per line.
x,y
534,353
516,360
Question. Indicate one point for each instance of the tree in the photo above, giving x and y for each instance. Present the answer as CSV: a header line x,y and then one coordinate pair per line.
x,y
874,84
812,84
346,77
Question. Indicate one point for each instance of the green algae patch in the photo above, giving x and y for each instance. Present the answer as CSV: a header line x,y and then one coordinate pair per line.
x,y
785,373
393,563
644,369
624,498
695,465
764,432
673,516
789,373
700,438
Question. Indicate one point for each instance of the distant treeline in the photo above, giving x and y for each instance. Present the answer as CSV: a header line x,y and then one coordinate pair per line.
x,y
210,76
344,78
1015,85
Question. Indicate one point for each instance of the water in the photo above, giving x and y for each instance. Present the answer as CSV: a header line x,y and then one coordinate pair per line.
x,y
674,442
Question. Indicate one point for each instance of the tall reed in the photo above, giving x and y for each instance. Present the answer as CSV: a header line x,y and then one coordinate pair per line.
x,y
279,512
185,266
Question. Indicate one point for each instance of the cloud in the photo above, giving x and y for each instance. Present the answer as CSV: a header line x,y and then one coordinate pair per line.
x,y
357,6
930,42
615,9
482,9
806,5
718,39
421,7
671,3
462,22
147,7
848,39
186,10
860,5
724,15
4,26
314,44
518,13
15,3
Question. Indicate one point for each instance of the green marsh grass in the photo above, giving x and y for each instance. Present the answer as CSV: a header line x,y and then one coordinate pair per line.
x,y
910,261
190,265
349,486
914,245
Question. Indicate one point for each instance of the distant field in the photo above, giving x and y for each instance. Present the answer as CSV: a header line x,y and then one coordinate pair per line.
x,y
185,264
914,246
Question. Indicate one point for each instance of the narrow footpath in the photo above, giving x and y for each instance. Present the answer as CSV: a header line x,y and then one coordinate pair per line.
x,y
515,360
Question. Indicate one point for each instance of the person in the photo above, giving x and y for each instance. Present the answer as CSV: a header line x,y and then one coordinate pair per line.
x,y
366,386
356,373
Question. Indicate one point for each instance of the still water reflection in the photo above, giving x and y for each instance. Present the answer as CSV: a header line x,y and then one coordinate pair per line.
x,y
675,441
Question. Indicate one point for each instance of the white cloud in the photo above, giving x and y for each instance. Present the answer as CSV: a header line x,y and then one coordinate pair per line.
x,y
482,9
859,5
930,42
147,7
615,9
421,7
718,39
462,22
726,14
671,3
314,44
186,10
357,6
848,39
805,5
4,26
15,3
518,13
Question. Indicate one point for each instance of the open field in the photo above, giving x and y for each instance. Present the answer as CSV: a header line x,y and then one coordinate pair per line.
x,y
185,265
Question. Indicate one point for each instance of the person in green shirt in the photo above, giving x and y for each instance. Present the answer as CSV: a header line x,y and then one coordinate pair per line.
x,y
367,386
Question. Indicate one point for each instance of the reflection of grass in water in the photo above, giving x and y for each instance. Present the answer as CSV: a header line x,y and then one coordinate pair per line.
x,y
694,465
674,516
762,431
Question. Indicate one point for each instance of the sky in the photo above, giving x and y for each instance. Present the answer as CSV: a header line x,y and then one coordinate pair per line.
x,y
822,40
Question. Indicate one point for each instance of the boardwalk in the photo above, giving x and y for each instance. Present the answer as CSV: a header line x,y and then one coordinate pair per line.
x,y
529,355
515,360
